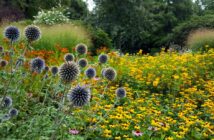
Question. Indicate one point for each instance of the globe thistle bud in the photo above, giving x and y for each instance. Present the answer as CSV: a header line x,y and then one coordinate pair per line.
x,y
3,63
6,117
103,71
54,70
12,33
79,96
83,62
110,74
69,57
81,49
1,49
37,65
46,68
7,102
32,33
121,92
19,62
103,58
90,73
69,71
13,112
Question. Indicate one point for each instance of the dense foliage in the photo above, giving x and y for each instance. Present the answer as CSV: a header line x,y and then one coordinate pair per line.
x,y
99,39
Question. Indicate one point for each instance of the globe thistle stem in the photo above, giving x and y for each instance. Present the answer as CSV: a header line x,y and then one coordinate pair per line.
x,y
5,90
27,46
105,89
42,86
57,120
29,128
32,82
43,103
106,114
11,75
11,56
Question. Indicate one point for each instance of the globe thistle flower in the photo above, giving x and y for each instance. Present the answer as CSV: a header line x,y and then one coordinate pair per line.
x,y
32,33
1,49
121,92
103,58
110,74
13,112
90,73
81,49
7,102
37,64
3,63
69,71
54,70
12,33
79,96
68,57
83,62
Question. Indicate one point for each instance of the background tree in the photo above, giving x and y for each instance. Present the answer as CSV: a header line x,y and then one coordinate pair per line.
x,y
77,9
168,14
208,5
126,22
141,24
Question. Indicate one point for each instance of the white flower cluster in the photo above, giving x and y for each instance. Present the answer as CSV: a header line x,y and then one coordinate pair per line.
x,y
51,17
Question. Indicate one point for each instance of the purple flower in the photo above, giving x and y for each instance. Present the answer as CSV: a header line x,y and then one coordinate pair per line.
x,y
137,133
73,131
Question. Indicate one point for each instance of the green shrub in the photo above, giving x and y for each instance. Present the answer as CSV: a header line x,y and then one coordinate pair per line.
x,y
99,39
51,17
181,32
201,40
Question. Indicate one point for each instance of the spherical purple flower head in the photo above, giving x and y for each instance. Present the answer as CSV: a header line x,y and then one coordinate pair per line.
x,y
3,63
69,57
32,33
69,71
7,102
90,73
121,92
12,33
81,49
1,49
13,112
83,62
37,65
54,70
103,58
110,74
79,96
